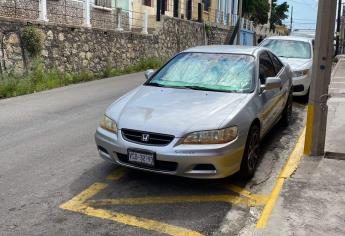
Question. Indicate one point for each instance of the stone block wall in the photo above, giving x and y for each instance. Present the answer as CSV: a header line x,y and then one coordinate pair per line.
x,y
78,48
218,34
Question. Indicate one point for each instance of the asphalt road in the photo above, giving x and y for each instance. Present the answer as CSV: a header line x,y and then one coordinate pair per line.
x,y
48,156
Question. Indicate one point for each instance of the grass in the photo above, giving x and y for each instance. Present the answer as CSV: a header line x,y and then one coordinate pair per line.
x,y
39,79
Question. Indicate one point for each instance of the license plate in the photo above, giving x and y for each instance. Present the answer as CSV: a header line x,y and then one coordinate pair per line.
x,y
141,158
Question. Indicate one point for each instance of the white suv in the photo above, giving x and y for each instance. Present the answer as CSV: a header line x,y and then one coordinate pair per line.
x,y
298,53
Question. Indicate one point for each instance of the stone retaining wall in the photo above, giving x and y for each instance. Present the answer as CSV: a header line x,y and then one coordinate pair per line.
x,y
77,48
218,34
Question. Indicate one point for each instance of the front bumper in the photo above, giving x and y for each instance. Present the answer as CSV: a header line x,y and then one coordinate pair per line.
x,y
194,161
301,85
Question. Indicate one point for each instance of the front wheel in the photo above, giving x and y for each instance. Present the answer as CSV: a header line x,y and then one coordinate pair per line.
x,y
251,153
306,97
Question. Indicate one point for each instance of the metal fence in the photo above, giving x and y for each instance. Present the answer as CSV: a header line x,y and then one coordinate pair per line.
x,y
28,9
101,14
65,12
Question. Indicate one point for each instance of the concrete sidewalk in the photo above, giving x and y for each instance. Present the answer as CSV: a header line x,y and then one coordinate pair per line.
x,y
335,138
312,201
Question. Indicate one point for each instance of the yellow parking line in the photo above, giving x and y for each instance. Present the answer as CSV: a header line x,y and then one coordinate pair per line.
x,y
255,198
288,169
295,157
77,204
117,174
266,213
140,222
174,199
82,204
237,189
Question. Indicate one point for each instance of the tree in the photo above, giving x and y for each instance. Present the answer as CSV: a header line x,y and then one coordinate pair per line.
x,y
256,10
278,14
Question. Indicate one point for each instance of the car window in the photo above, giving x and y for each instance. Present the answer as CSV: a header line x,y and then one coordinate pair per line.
x,y
288,48
266,68
277,64
221,72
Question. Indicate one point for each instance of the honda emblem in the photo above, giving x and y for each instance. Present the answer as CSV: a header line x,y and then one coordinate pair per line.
x,y
145,137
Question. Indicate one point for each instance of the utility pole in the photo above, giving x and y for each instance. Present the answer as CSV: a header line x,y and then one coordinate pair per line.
x,y
240,13
321,74
291,20
338,28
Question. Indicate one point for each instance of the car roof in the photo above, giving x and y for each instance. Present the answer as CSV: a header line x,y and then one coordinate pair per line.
x,y
309,33
295,38
233,49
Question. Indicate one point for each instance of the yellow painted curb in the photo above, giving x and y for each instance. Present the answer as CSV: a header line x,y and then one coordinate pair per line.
x,y
288,169
309,130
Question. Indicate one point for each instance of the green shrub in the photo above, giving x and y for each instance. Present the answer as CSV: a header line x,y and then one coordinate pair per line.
x,y
38,78
32,38
208,30
149,63
335,60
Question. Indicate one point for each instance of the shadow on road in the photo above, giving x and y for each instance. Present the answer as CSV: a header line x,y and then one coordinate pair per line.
x,y
149,183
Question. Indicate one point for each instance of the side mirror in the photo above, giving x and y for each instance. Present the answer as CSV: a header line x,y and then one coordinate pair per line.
x,y
149,73
271,83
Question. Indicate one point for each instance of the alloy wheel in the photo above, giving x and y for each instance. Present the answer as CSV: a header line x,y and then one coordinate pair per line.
x,y
253,150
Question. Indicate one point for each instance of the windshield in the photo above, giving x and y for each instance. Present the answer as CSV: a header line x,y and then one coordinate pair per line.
x,y
209,72
288,48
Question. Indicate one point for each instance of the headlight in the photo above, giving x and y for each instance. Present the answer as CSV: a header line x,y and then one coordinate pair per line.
x,y
212,136
300,73
108,124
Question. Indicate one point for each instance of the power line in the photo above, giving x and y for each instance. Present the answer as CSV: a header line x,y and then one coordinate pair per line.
x,y
298,23
305,20
303,3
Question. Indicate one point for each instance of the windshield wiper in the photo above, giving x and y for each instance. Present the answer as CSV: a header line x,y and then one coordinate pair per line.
x,y
207,89
193,87
155,84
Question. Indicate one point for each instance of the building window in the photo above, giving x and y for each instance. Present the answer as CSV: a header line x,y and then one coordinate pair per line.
x,y
103,3
147,3
207,4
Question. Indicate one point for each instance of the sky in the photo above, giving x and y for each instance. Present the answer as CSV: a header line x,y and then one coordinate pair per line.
x,y
304,13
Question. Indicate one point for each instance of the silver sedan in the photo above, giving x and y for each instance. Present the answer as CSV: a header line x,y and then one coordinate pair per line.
x,y
202,115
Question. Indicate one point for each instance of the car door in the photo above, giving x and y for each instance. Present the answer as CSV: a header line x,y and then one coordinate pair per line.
x,y
268,97
282,95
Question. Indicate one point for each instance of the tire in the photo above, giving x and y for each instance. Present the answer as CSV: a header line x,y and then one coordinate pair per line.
x,y
251,153
305,98
287,112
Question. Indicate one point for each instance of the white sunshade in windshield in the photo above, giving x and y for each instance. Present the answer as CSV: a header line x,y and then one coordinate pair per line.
x,y
225,72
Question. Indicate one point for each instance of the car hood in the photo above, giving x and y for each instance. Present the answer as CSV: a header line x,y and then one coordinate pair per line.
x,y
297,64
175,111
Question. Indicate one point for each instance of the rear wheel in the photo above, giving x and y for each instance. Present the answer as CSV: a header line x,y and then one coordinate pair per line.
x,y
287,112
251,153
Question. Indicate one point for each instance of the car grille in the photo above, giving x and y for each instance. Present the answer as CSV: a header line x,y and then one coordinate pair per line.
x,y
159,165
153,139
